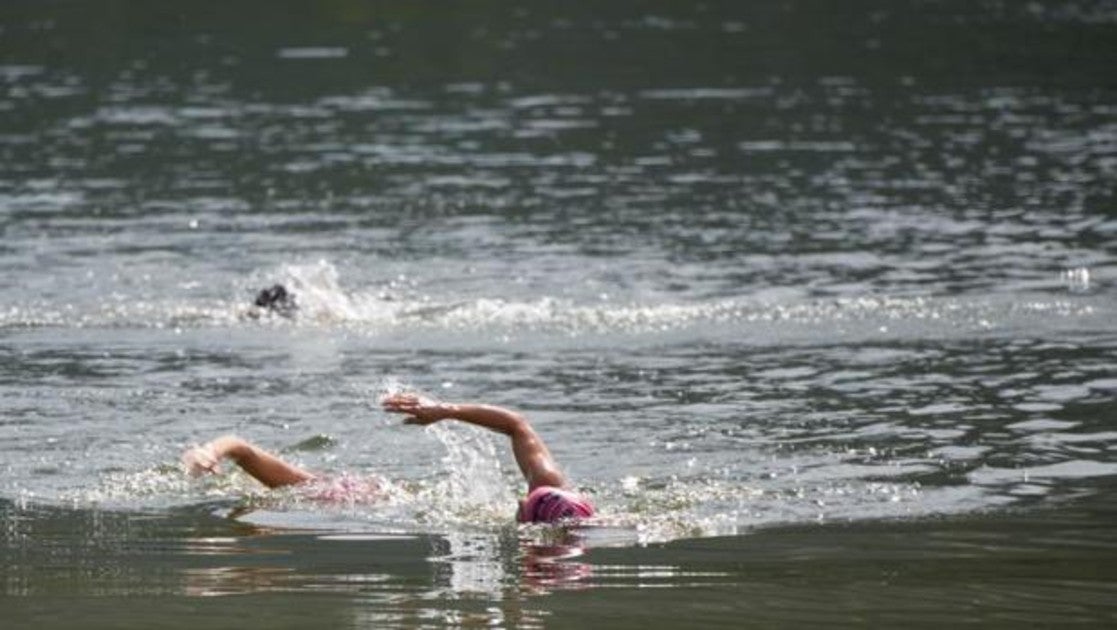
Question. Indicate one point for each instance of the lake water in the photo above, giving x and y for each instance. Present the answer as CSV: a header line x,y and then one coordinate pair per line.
x,y
817,302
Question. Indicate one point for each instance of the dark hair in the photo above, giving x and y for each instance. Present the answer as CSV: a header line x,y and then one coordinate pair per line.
x,y
277,299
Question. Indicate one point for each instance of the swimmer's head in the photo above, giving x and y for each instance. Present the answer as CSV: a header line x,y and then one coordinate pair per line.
x,y
278,300
547,504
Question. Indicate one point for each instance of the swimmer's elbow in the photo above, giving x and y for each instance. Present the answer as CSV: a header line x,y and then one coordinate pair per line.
x,y
520,428
232,447
511,423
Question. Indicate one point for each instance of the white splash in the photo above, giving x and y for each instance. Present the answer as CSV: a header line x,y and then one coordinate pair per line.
x,y
395,312
1077,280
473,486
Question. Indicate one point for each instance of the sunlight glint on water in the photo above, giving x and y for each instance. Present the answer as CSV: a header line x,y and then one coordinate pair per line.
x,y
815,303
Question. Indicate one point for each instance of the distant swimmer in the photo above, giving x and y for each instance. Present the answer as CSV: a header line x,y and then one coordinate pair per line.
x,y
549,498
275,299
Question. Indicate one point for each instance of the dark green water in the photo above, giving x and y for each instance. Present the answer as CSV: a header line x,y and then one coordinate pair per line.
x,y
101,569
816,299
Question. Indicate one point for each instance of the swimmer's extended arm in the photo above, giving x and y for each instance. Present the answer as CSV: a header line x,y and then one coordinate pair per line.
x,y
265,467
535,461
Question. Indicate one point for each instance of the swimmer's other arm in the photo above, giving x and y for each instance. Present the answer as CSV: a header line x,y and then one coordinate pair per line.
x,y
532,456
265,467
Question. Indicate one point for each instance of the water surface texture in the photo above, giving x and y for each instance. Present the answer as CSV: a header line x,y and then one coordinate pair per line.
x,y
817,302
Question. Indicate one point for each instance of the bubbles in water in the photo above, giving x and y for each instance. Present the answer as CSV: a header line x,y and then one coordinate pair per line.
x,y
390,386
1077,280
160,485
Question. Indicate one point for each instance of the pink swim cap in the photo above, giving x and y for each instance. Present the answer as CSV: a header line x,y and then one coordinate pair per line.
x,y
548,504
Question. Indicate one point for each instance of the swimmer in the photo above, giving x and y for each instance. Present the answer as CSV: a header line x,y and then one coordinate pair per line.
x,y
549,498
274,299
549,495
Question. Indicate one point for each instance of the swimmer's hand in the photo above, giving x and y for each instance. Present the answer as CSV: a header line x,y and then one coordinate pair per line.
x,y
419,409
200,460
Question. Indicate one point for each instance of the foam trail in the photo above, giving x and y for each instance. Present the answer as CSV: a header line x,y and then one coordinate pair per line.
x,y
417,320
